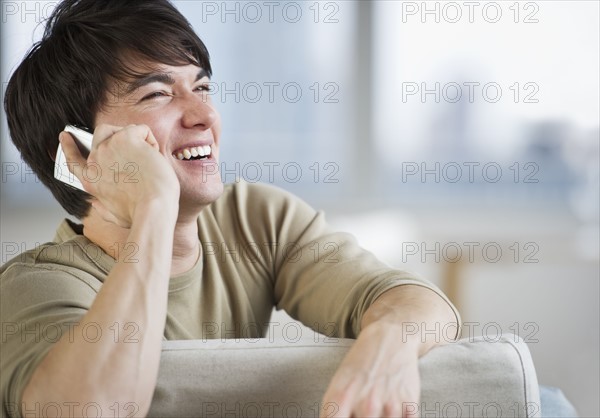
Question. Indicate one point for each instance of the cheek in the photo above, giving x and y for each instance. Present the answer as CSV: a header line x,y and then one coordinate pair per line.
x,y
158,122
109,117
161,133
216,129
116,117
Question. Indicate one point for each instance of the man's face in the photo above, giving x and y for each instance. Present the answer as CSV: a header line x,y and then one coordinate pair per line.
x,y
174,102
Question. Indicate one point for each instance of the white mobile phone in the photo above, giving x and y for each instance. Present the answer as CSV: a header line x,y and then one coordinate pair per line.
x,y
61,170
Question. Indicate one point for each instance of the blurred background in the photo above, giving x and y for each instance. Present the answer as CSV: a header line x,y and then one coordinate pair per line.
x,y
458,140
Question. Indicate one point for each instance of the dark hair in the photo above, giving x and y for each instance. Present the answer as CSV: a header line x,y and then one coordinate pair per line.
x,y
64,78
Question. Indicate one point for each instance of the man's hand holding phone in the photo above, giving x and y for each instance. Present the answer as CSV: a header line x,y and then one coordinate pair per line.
x,y
123,172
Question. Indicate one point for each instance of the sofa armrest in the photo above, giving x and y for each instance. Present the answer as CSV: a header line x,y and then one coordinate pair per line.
x,y
265,377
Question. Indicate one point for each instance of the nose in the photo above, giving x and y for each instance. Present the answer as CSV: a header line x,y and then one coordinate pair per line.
x,y
197,111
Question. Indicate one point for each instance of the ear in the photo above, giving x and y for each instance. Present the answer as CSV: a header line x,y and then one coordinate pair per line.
x,y
52,151
52,154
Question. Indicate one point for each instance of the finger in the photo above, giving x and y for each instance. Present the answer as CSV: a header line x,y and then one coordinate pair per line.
x,y
392,409
103,132
393,405
369,406
329,409
136,131
410,410
338,404
410,406
333,409
145,132
335,406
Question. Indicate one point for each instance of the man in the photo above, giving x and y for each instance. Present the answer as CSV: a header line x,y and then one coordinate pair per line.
x,y
138,265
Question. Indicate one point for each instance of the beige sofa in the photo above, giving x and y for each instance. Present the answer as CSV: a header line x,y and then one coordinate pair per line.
x,y
275,377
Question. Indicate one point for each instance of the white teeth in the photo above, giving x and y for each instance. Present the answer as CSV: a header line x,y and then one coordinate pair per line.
x,y
187,153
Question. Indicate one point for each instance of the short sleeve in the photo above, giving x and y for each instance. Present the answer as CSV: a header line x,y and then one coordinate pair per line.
x,y
39,304
322,277
329,282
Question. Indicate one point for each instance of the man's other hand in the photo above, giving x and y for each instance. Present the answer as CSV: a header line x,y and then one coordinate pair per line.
x,y
379,377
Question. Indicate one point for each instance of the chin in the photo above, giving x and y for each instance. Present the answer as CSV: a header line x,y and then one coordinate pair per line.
x,y
201,196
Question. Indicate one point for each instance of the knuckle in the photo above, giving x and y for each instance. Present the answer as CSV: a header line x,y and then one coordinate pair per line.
x,y
409,408
337,400
336,397
102,130
392,408
142,127
370,406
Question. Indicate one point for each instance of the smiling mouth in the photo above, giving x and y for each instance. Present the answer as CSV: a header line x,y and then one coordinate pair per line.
x,y
194,153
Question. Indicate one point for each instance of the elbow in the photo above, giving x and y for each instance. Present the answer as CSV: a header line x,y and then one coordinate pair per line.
x,y
43,397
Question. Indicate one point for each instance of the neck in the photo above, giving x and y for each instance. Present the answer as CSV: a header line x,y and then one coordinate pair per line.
x,y
113,240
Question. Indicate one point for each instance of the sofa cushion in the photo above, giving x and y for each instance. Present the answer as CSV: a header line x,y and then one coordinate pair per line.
x,y
268,377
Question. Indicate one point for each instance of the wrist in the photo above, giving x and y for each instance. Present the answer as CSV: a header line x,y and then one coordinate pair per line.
x,y
394,333
150,239
156,210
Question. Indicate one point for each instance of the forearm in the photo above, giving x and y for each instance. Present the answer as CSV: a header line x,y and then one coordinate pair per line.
x,y
380,374
416,316
122,365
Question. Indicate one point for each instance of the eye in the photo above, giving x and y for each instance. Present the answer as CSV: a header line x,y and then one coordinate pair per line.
x,y
205,88
154,95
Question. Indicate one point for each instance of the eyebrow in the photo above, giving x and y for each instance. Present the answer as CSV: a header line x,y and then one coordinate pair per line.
x,y
164,78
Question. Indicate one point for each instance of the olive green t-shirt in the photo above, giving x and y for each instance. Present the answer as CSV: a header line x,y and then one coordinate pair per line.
x,y
260,247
